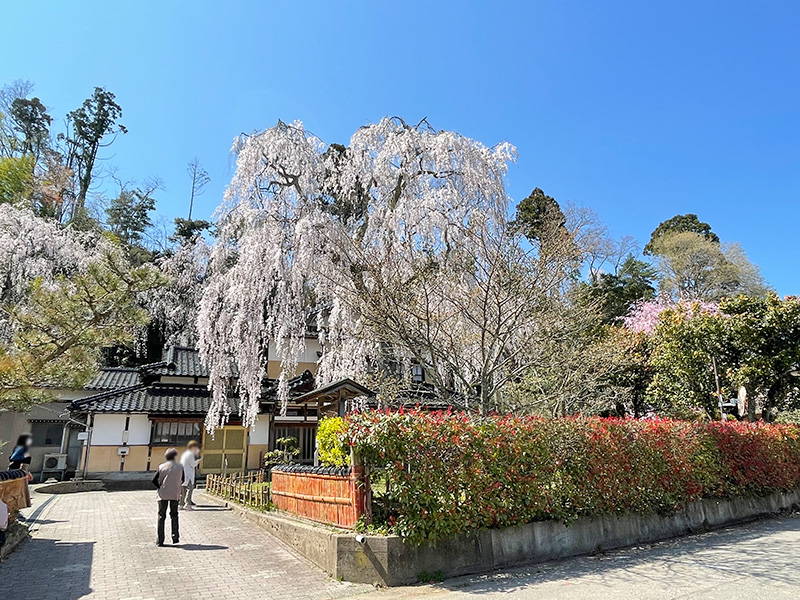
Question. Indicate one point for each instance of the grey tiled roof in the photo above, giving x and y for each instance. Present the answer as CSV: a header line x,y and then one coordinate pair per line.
x,y
425,397
113,378
157,397
154,398
186,360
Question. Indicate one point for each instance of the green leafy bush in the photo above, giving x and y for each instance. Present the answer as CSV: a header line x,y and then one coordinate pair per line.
x,y
285,453
331,443
450,473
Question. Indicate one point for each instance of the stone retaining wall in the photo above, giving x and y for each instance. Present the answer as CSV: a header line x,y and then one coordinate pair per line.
x,y
72,487
15,535
388,560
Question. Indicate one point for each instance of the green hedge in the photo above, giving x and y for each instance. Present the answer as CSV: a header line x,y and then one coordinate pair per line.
x,y
448,474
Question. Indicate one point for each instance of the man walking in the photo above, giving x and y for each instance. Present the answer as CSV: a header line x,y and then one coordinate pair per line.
x,y
168,480
189,460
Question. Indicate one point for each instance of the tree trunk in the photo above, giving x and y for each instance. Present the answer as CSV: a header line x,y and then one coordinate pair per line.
x,y
484,395
751,408
769,403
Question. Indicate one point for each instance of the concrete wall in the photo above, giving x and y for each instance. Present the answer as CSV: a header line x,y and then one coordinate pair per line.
x,y
12,424
387,560
274,369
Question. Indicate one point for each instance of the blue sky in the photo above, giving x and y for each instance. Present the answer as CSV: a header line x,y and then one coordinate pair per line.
x,y
640,110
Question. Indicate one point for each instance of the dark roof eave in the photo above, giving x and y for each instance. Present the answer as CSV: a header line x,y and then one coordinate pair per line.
x,y
352,388
77,404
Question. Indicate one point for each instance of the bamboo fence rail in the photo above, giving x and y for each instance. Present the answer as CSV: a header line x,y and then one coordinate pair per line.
x,y
249,489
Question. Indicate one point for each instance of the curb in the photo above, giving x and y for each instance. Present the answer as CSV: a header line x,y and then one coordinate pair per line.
x,y
17,532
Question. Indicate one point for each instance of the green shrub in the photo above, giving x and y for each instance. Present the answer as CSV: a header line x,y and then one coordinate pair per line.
x,y
449,473
331,443
285,453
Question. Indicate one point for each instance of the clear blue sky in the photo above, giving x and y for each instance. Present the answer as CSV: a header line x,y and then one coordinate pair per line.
x,y
640,110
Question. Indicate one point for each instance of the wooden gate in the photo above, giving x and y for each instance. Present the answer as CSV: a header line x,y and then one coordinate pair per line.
x,y
225,451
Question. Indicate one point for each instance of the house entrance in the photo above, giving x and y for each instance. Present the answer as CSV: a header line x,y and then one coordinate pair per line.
x,y
225,451
305,436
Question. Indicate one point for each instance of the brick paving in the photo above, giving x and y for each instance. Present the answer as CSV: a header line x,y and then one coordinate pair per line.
x,y
101,546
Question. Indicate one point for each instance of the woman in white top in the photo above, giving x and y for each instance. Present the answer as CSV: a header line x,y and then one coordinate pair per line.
x,y
189,459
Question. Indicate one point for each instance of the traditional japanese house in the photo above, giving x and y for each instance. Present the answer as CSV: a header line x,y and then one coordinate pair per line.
x,y
139,413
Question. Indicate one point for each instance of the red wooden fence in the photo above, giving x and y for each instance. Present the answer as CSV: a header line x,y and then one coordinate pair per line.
x,y
335,497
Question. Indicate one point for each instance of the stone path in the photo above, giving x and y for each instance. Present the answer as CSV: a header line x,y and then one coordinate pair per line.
x,y
101,546
756,561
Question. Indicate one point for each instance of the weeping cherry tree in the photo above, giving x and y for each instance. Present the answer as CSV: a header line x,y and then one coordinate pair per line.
x,y
399,245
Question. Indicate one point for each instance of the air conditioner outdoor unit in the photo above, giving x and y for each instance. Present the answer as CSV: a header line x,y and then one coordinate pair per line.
x,y
55,462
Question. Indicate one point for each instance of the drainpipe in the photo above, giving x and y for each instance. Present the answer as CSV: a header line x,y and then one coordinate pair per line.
x,y
89,429
64,438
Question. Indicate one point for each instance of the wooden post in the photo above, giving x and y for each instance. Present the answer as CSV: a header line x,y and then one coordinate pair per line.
x,y
359,488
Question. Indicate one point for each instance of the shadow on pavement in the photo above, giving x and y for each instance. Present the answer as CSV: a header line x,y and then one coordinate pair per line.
x,y
201,547
68,565
766,550
43,521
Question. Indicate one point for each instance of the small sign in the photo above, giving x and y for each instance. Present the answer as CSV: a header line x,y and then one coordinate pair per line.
x,y
123,450
83,436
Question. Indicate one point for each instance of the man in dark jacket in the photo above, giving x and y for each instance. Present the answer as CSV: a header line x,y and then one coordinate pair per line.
x,y
168,480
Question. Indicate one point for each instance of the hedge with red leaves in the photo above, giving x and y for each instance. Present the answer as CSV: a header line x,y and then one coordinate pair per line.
x,y
450,473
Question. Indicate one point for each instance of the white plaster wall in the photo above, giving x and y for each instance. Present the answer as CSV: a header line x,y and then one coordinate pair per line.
x,y
309,354
139,430
108,430
260,433
183,380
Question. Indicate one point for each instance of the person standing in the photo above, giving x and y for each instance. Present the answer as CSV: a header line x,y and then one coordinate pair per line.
x,y
189,460
168,480
21,456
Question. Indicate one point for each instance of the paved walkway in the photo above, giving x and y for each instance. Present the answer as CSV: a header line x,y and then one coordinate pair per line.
x,y
101,546
758,561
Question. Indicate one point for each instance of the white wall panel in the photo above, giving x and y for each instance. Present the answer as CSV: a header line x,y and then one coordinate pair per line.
x,y
139,430
108,430
260,433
